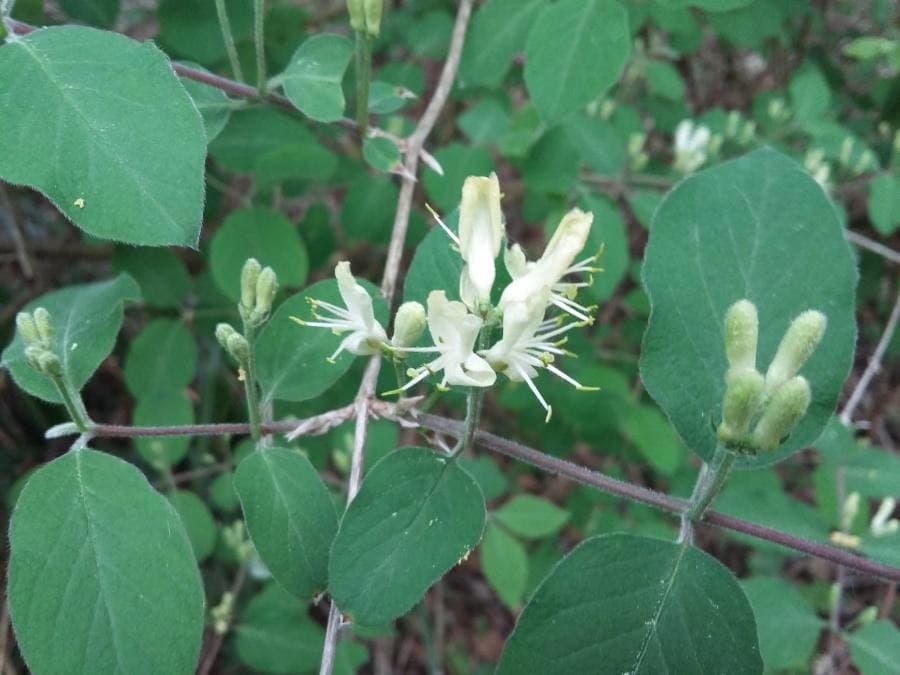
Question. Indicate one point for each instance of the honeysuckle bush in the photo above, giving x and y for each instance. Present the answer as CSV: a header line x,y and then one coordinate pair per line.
x,y
635,264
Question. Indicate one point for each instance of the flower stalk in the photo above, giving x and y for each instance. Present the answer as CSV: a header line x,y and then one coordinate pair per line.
x,y
709,484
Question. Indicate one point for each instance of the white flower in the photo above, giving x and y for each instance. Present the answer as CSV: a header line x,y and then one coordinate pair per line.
x,y
530,278
357,316
530,343
454,331
480,233
481,230
691,145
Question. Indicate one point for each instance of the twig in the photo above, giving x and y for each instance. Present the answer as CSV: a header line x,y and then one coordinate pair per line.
x,y
874,364
389,280
872,245
561,467
219,636
15,233
665,502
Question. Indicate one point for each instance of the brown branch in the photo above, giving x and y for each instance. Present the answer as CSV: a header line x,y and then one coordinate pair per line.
x,y
665,502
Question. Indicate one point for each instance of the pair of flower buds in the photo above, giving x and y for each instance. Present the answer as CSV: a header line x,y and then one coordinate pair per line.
x,y
258,288
530,340
365,16
36,330
780,399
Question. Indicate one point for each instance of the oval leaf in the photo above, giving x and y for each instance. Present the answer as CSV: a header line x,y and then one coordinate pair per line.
x,y
761,228
86,320
124,160
416,516
574,53
678,611
313,78
290,517
102,578
292,359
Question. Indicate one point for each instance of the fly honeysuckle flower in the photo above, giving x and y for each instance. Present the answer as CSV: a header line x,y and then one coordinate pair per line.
x,y
357,316
454,331
481,230
557,262
691,145
530,342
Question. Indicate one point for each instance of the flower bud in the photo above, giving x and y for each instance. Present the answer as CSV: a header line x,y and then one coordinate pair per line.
x,y
356,9
783,411
409,324
223,332
798,343
44,325
27,328
238,347
266,288
743,397
741,332
373,10
867,616
249,277
43,360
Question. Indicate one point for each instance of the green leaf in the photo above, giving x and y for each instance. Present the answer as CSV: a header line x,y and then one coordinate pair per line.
x,y
485,122
759,228
276,635
101,576
649,430
190,28
386,98
416,516
257,233
122,161
213,104
254,133
290,517
884,203
167,408
788,624
487,474
86,320
566,36
876,648
368,210
291,359
458,162
381,153
498,31
664,80
312,80
810,95
100,12
608,233
162,276
198,522
621,603
530,516
600,145
435,266
505,565
161,359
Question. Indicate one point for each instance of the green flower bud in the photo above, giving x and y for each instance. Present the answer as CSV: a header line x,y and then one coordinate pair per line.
x,y
27,328
32,355
373,11
741,332
743,397
238,347
223,332
867,616
249,277
48,363
409,324
44,325
266,288
356,9
782,413
798,343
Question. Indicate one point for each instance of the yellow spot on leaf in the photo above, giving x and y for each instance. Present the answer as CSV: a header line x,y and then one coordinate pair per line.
x,y
79,202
